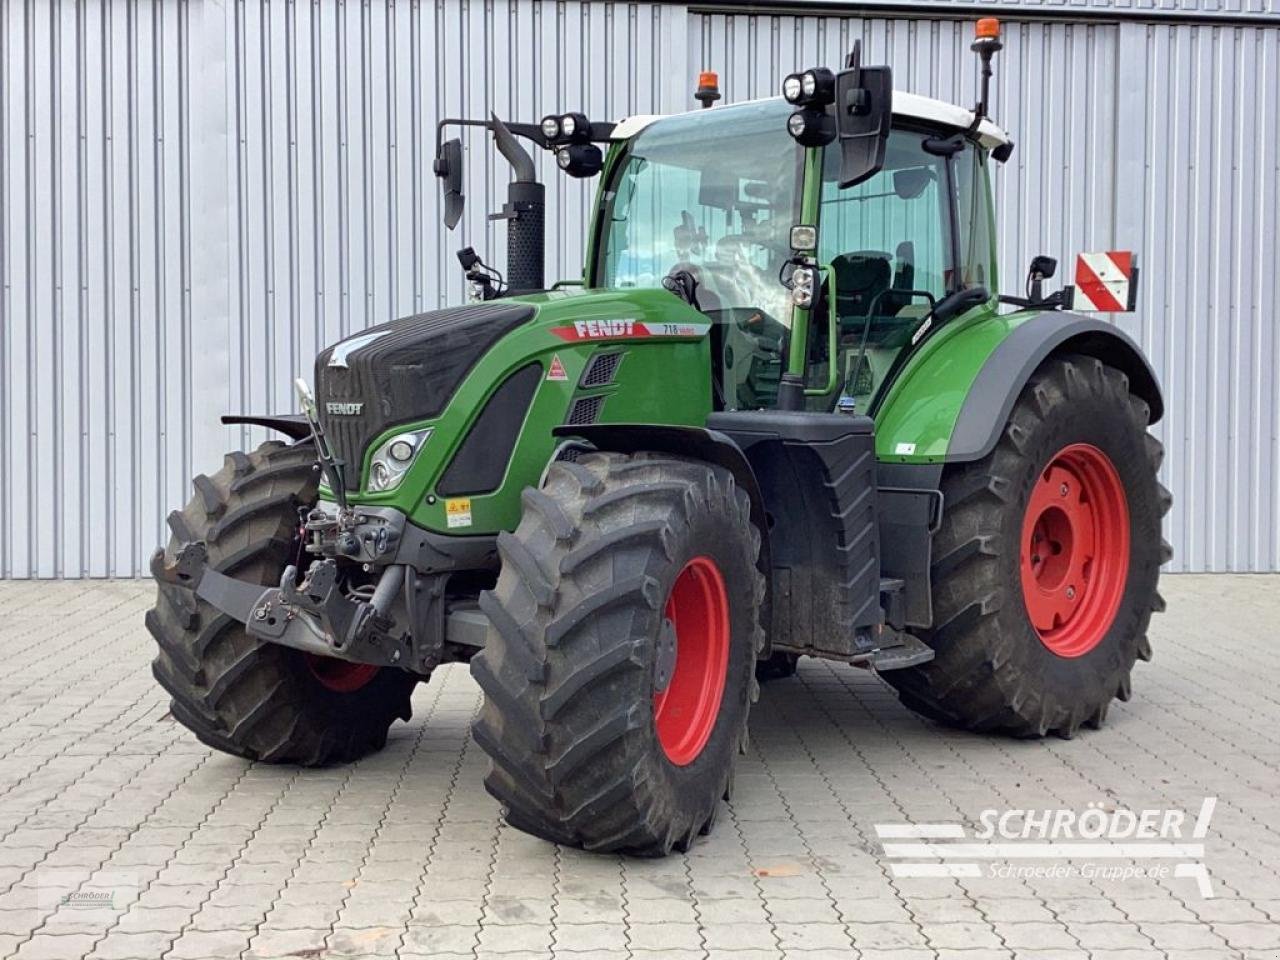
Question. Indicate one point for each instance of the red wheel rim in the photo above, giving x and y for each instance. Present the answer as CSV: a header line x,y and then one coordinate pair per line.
x,y
1075,550
685,712
340,676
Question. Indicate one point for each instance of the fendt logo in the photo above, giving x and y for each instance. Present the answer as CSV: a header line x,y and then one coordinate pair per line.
x,y
335,409
595,329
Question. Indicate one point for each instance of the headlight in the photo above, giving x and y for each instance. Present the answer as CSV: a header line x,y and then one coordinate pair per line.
x,y
551,128
792,88
809,83
392,460
803,280
569,125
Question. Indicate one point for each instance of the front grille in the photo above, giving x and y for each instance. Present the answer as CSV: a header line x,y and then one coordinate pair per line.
x,y
584,411
601,370
404,371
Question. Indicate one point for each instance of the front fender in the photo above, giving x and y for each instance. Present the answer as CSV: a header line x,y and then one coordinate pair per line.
x,y
951,401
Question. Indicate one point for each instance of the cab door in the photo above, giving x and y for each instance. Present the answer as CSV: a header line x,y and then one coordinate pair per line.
x,y
891,246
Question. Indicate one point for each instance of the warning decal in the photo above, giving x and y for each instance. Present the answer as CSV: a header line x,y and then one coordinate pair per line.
x,y
1105,281
627,330
556,370
457,512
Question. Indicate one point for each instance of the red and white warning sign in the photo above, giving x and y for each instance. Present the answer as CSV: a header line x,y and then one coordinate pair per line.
x,y
556,370
1106,282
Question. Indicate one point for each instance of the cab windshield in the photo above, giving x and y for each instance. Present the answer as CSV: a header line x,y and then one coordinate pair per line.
x,y
713,194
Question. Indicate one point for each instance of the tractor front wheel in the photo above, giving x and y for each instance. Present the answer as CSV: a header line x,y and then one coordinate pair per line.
x,y
619,668
235,692
1046,565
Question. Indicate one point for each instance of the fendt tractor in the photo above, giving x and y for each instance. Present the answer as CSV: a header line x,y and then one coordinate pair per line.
x,y
783,413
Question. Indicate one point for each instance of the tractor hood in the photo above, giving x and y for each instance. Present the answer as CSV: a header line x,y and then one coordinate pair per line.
x,y
413,370
404,371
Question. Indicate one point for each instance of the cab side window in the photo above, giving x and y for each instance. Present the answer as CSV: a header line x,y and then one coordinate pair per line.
x,y
887,235
973,201
888,243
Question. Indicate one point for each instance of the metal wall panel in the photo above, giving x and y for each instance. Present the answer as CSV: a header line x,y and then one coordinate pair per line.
x,y
196,195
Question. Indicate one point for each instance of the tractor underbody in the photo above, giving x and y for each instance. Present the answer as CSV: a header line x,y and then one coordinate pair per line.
x,y
813,484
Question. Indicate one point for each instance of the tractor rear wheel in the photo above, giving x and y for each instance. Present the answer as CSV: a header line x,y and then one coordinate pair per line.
x,y
1046,565
239,694
619,669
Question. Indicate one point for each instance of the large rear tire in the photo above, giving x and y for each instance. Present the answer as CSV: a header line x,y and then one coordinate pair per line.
x,y
238,694
1046,565
619,669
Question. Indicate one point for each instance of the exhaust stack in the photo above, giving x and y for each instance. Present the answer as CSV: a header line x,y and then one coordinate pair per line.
x,y
525,213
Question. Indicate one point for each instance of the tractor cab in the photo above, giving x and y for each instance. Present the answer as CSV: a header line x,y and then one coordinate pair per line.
x,y
722,208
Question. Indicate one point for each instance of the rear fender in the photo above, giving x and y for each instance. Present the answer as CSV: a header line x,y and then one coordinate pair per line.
x,y
995,390
952,399
952,405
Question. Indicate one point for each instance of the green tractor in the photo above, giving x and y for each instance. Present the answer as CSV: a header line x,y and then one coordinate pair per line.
x,y
784,413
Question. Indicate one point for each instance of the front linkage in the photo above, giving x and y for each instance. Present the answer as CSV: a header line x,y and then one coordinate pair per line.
x,y
405,620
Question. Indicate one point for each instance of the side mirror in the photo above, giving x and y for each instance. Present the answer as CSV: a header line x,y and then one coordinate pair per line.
x,y
854,106
1041,269
864,113
1046,267
448,167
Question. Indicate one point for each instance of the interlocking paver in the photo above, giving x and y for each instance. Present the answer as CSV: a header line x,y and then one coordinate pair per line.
x,y
589,938
404,855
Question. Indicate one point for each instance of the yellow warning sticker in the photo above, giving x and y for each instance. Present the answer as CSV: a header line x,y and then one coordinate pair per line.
x,y
458,512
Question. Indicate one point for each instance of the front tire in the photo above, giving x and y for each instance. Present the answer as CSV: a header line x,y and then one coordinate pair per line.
x,y
1046,565
619,669
239,694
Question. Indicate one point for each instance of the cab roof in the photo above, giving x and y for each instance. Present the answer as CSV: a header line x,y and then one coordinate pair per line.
x,y
906,105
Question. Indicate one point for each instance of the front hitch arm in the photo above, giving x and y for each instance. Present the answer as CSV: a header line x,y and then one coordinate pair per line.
x,y
314,616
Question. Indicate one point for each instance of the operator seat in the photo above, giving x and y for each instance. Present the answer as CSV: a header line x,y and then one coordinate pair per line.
x,y
860,278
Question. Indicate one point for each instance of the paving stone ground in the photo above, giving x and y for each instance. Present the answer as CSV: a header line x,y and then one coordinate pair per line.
x,y
123,838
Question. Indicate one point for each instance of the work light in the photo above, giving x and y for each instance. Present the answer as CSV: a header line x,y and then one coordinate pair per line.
x,y
811,128
575,128
580,159
792,88
818,86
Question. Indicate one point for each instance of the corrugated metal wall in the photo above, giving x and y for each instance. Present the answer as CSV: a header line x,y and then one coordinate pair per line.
x,y
195,196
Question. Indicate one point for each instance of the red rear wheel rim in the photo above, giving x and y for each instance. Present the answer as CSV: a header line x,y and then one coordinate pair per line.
x,y
340,676
685,712
1075,550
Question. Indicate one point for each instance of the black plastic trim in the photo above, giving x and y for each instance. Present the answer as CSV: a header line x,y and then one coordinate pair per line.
x,y
995,390
909,507
817,472
293,425
481,460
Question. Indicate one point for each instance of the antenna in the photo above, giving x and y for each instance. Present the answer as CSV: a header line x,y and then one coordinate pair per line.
x,y
854,59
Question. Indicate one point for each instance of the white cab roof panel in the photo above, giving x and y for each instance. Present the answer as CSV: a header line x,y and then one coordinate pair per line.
x,y
907,105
